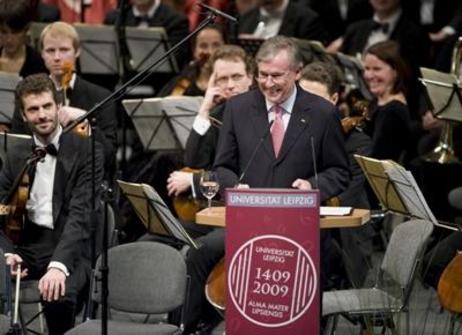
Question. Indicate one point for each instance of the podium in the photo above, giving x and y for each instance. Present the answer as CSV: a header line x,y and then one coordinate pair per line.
x,y
272,261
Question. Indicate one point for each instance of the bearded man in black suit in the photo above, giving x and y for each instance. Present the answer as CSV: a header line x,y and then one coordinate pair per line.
x,y
60,44
302,124
54,243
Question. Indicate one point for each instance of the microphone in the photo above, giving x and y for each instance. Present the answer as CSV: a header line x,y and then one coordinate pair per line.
x,y
217,12
315,168
257,147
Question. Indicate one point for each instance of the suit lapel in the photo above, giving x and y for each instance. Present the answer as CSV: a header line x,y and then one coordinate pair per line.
x,y
260,123
65,161
288,22
297,124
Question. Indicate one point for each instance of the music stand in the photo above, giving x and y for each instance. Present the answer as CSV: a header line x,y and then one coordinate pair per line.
x,y
13,142
98,50
8,83
444,92
353,71
163,123
146,44
397,190
154,213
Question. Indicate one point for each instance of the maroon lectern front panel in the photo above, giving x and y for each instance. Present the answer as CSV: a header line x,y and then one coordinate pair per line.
x,y
272,262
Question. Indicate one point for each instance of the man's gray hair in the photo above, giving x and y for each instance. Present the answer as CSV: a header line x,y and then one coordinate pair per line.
x,y
272,46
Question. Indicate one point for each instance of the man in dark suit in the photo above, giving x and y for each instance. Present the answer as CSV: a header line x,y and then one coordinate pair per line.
x,y
53,246
282,17
302,123
153,13
388,23
60,45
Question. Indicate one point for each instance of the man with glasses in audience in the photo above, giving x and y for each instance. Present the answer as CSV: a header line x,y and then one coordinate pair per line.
x,y
302,123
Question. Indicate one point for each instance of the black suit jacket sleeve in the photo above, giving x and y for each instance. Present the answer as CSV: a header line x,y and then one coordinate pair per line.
x,y
200,149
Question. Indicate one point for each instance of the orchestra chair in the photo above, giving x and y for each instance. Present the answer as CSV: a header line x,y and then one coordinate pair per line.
x,y
144,278
5,297
390,296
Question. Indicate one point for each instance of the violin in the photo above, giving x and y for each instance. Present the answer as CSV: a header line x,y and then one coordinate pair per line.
x,y
358,116
181,86
17,198
82,129
186,206
450,285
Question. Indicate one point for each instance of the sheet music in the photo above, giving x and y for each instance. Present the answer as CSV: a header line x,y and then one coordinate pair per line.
x,y
160,122
153,212
410,193
440,87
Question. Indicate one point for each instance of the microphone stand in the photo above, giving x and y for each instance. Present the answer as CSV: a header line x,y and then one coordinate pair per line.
x,y
117,94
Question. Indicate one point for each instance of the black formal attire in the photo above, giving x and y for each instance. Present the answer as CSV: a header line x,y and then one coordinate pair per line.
x,y
329,12
298,21
245,124
176,26
33,63
389,128
85,95
201,149
352,262
445,13
68,241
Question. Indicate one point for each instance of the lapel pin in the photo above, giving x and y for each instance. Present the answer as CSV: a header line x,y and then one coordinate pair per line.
x,y
302,120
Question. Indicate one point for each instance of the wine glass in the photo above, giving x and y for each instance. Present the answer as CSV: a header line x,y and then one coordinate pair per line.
x,y
209,185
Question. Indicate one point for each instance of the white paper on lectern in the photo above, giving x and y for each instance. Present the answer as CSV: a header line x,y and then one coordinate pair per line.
x,y
157,114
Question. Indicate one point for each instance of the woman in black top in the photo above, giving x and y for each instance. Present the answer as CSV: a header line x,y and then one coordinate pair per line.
x,y
389,119
15,55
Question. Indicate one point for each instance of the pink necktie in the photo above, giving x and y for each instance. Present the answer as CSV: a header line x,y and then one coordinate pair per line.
x,y
277,131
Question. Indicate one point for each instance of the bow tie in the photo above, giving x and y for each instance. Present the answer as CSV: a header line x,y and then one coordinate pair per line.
x,y
142,19
384,27
49,149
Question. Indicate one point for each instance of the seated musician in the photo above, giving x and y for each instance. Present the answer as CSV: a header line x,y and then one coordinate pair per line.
x,y
54,243
193,78
324,80
303,123
60,47
232,75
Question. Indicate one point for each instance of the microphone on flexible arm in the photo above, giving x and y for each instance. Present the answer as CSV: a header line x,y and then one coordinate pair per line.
x,y
315,167
217,12
257,147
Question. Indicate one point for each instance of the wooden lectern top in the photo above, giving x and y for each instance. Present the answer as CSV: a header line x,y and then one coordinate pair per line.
x,y
216,216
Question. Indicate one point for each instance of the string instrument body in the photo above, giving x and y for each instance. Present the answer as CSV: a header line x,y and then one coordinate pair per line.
x,y
186,206
450,285
15,207
82,129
